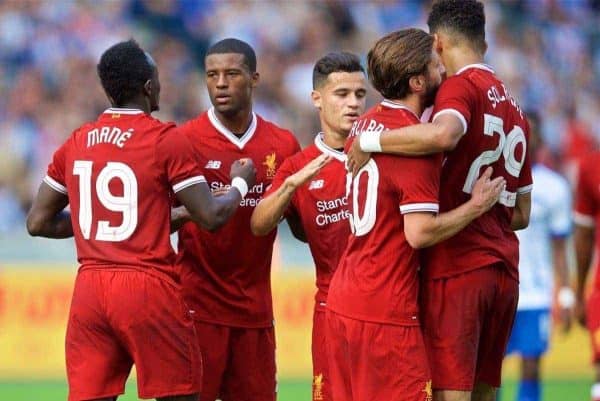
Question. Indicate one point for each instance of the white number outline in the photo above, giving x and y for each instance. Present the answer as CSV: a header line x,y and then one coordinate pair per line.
x,y
507,145
127,204
362,225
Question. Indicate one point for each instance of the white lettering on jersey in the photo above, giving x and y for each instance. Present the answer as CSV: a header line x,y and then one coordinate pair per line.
x,y
112,135
213,165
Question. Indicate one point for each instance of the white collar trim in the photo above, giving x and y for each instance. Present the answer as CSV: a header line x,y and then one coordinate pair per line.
x,y
328,150
394,105
118,110
239,142
481,66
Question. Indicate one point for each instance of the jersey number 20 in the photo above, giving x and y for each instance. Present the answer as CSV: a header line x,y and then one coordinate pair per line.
x,y
506,147
126,204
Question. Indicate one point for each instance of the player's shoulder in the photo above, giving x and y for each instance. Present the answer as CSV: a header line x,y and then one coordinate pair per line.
x,y
199,125
590,161
278,136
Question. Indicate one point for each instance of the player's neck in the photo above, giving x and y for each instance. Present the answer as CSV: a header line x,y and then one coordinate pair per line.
x,y
237,123
458,57
333,139
412,102
139,104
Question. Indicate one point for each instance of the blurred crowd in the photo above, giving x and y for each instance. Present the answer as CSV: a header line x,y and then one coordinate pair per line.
x,y
548,51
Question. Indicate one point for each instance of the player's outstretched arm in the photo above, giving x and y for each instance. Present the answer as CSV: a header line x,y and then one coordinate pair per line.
x,y
212,212
270,210
584,249
520,219
425,229
440,135
46,217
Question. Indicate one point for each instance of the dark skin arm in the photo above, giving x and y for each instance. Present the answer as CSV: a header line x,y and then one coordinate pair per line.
x,y
296,227
521,213
200,206
46,217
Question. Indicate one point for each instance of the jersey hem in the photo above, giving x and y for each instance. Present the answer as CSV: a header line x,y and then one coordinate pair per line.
x,y
390,322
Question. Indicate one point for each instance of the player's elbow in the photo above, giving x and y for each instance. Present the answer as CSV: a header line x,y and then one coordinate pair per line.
x,y
258,229
35,224
446,139
417,238
521,222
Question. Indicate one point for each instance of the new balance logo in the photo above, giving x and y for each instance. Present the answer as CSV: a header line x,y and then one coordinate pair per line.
x,y
213,164
316,184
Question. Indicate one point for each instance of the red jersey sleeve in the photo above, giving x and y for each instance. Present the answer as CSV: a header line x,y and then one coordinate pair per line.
x,y
176,157
585,204
458,97
55,177
419,185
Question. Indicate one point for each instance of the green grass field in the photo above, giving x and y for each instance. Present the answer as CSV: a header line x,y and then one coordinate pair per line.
x,y
555,390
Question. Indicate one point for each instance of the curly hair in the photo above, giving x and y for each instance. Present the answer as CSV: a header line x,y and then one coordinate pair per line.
x,y
123,70
463,17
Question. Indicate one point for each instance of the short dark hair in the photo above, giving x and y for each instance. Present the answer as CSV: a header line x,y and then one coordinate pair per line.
x,y
462,17
123,70
232,45
397,57
335,62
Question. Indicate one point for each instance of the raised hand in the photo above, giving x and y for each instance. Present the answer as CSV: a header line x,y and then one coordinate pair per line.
x,y
308,171
356,158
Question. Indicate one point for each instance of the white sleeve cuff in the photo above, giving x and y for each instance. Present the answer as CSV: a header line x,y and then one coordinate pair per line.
x,y
55,185
188,182
584,220
524,190
455,113
419,207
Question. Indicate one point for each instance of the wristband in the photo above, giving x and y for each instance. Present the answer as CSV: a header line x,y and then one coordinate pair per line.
x,y
566,297
369,142
241,185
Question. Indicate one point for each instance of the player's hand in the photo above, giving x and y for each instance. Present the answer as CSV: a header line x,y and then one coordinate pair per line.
x,y
579,311
244,168
486,191
356,158
308,171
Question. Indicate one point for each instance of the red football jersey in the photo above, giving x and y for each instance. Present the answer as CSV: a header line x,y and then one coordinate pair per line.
x,y
587,198
322,207
496,134
377,278
120,172
227,274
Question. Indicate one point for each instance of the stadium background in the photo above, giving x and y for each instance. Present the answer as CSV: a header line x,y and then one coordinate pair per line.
x,y
548,51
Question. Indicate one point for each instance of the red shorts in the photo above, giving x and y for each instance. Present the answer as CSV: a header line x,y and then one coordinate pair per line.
x,y
320,387
239,363
467,320
372,361
593,323
119,318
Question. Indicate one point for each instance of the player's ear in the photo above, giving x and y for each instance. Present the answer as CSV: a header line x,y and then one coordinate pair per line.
x,y
438,43
255,79
315,95
416,83
148,88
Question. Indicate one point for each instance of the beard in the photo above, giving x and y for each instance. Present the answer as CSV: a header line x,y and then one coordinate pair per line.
x,y
430,92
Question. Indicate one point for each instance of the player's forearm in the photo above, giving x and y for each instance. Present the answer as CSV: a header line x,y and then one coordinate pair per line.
x,y
220,210
58,226
270,210
419,139
434,229
179,216
559,257
584,247
521,212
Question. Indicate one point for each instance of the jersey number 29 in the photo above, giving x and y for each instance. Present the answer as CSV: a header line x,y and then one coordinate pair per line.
x,y
125,204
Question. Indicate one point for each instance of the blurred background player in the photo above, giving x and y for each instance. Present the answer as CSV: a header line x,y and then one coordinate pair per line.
x,y
339,93
587,219
226,275
471,279
374,341
542,258
117,174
